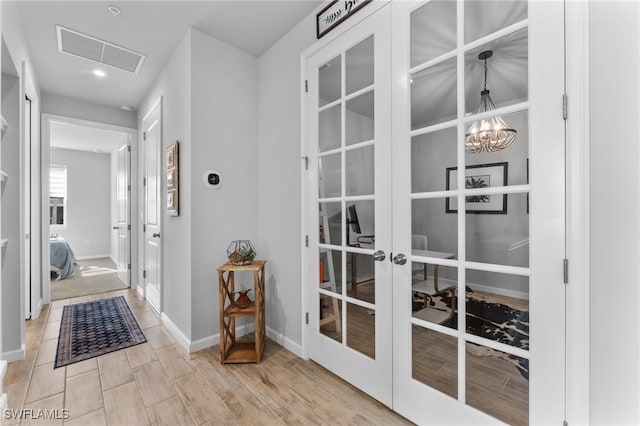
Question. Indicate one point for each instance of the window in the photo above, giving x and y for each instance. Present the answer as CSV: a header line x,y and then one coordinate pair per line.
x,y
57,195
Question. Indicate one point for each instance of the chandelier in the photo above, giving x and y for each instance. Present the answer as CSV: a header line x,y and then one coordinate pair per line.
x,y
491,134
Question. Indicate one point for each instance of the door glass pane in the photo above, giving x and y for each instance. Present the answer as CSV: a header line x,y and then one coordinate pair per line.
x,y
359,119
498,384
430,219
330,175
498,229
360,171
512,161
330,229
435,360
330,320
361,330
359,66
329,81
507,71
429,153
497,307
434,293
329,128
433,30
330,267
434,95
361,283
484,17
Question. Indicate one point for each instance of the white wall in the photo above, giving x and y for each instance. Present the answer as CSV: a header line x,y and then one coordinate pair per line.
x,y
88,227
68,107
224,120
174,85
615,209
279,187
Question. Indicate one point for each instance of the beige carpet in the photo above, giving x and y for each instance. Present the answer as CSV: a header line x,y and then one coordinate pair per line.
x,y
91,276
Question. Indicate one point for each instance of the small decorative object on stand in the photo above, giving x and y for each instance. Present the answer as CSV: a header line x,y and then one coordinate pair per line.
x,y
241,252
243,299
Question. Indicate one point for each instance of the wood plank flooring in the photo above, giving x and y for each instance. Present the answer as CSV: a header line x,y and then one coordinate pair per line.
x,y
156,383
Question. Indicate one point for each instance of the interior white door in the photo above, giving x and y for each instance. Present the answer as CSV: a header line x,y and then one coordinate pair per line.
x,y
26,199
152,220
479,336
349,281
123,191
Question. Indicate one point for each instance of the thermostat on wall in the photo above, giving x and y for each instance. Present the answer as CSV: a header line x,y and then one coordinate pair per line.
x,y
212,179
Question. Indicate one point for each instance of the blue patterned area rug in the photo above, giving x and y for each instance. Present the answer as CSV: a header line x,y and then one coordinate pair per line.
x,y
92,329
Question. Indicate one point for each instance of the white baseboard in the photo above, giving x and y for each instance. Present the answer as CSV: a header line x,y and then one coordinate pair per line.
x,y
3,402
207,342
140,291
13,356
284,341
95,256
182,340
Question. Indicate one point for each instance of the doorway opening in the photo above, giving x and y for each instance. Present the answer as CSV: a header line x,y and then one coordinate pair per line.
x,y
87,201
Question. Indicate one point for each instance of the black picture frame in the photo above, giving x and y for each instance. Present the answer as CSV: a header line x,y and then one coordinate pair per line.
x,y
480,176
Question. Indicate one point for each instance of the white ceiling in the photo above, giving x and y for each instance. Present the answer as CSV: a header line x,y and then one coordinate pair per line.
x,y
153,28
82,138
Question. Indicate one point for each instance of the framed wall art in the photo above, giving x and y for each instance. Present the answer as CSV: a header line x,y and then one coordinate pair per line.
x,y
480,176
172,180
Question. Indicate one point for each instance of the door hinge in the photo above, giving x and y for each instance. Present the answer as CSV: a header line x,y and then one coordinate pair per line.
x,y
306,86
129,188
144,227
306,318
144,181
129,227
565,423
306,241
144,136
565,275
128,148
306,162
144,273
129,266
565,106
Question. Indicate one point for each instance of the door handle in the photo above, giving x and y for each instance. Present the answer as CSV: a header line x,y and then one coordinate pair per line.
x,y
399,259
156,235
379,256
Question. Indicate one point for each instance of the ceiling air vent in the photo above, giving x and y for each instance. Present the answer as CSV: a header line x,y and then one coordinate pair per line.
x,y
96,50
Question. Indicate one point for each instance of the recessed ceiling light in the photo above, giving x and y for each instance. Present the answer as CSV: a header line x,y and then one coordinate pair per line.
x,y
99,73
114,10
126,107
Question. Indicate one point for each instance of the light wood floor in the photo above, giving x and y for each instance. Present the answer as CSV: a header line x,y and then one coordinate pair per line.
x,y
493,383
157,383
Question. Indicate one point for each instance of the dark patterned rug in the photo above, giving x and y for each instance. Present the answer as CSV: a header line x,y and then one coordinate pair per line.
x,y
493,321
92,329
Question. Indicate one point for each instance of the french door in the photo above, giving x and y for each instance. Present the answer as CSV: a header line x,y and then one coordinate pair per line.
x,y
461,320
350,283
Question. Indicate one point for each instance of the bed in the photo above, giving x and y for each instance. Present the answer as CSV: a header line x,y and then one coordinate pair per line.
x,y
61,257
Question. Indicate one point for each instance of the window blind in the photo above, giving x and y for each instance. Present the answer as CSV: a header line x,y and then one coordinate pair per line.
x,y
57,181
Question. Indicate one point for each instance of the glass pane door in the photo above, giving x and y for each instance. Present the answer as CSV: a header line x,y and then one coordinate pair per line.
x,y
349,285
473,318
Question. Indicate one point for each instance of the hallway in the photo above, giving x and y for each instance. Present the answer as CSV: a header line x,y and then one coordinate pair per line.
x,y
176,388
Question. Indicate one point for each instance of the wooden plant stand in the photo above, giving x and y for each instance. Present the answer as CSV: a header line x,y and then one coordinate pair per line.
x,y
232,351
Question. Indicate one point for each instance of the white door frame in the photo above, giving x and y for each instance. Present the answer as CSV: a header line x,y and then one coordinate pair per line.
x,y
577,202
142,288
45,150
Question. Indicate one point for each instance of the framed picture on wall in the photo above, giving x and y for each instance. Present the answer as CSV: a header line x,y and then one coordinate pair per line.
x,y
172,180
479,176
